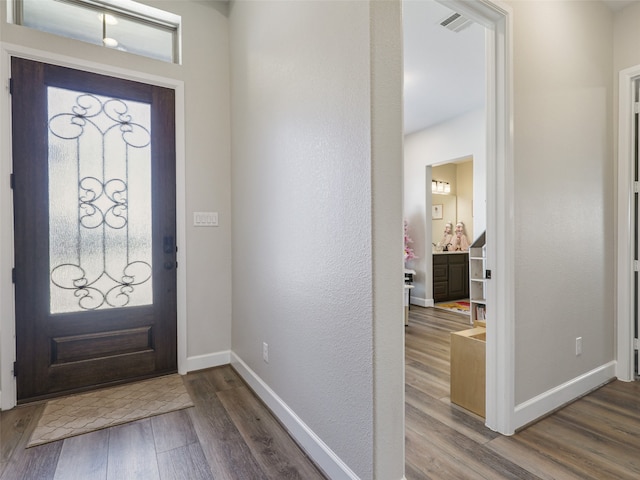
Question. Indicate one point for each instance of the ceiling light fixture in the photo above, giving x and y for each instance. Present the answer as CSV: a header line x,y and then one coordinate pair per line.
x,y
108,41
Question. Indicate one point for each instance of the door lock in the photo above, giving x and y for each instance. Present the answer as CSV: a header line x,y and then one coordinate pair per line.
x,y
168,245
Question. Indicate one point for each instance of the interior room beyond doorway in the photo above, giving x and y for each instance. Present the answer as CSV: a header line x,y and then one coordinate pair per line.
x,y
452,231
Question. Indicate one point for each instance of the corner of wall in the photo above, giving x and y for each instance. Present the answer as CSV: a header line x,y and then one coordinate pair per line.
x,y
210,360
332,466
555,398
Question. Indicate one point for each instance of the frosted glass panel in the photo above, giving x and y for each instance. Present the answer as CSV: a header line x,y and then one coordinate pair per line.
x,y
99,202
149,31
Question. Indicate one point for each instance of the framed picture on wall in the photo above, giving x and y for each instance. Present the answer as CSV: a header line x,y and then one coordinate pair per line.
x,y
436,212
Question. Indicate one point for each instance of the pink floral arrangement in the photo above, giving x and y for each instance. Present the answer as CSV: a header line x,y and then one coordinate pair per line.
x,y
408,251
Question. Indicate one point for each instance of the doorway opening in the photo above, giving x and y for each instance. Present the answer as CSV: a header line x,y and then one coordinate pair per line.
x,y
8,390
628,287
497,150
95,227
452,222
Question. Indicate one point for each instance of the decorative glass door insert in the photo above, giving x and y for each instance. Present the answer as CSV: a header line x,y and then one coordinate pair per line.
x,y
94,190
100,232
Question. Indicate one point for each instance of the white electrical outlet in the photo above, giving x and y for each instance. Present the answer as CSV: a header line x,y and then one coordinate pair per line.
x,y
578,346
265,352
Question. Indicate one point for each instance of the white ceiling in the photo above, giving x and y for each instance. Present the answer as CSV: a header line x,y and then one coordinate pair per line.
x,y
444,71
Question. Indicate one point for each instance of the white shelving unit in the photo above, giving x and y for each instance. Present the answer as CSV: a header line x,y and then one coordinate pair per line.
x,y
477,280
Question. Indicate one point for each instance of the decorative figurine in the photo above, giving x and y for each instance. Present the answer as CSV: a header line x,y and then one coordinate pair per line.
x,y
460,241
445,243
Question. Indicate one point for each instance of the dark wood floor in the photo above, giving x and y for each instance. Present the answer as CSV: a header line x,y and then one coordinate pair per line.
x,y
229,434
596,437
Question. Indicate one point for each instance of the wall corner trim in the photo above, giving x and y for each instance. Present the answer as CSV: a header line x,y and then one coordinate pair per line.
x,y
312,444
557,397
209,360
422,302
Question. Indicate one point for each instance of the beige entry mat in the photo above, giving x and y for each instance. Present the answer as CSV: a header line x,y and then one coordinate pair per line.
x,y
85,412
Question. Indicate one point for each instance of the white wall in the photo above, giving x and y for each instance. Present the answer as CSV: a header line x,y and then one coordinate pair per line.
x,y
205,73
457,205
626,53
465,196
626,38
461,137
317,224
564,197
626,58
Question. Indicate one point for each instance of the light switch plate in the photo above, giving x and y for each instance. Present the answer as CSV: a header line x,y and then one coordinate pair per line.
x,y
205,219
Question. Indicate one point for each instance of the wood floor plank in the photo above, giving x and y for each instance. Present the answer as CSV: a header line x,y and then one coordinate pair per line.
x,y
271,445
622,397
427,384
13,425
184,463
172,430
630,389
593,456
33,463
424,461
26,463
84,456
457,449
132,452
453,417
603,421
228,455
223,378
436,373
544,466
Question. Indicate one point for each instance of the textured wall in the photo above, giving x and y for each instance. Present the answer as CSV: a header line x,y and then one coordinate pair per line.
x,y
626,53
303,234
564,205
627,38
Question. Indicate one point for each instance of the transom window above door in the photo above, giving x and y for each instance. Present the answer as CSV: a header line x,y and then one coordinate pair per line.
x,y
119,24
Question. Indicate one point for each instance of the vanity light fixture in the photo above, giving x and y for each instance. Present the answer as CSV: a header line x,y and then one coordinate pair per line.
x,y
440,187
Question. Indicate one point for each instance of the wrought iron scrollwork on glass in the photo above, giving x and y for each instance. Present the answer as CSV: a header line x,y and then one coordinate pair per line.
x,y
104,256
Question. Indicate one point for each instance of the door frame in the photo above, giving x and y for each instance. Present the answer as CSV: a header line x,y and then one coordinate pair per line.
x,y
8,392
497,18
625,315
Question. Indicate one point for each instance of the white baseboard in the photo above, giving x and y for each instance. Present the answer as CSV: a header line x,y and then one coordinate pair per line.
x,y
313,445
422,302
559,396
209,360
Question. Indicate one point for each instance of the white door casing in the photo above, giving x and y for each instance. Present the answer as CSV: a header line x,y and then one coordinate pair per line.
x,y
7,311
500,347
627,143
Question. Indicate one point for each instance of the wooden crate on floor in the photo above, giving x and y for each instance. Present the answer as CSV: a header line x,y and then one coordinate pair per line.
x,y
468,369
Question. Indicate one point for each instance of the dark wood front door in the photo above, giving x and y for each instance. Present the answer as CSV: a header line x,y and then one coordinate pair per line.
x,y
94,226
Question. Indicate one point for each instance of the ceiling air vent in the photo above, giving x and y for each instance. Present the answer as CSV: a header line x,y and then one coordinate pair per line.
x,y
455,22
